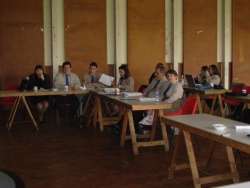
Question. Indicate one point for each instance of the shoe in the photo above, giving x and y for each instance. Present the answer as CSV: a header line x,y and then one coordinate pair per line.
x,y
143,129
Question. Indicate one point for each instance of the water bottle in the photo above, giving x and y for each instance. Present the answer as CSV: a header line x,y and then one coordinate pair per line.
x,y
157,95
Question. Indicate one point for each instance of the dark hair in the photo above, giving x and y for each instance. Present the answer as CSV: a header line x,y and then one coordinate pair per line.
x,y
159,65
161,68
126,70
204,68
66,63
172,71
38,67
93,64
214,69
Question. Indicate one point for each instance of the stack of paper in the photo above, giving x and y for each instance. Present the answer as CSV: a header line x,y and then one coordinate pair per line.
x,y
242,128
132,94
148,99
109,90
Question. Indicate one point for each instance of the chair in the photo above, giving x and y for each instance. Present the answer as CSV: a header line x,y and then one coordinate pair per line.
x,y
142,88
7,102
189,106
233,103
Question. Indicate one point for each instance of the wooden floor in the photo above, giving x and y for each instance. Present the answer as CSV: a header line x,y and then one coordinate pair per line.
x,y
70,157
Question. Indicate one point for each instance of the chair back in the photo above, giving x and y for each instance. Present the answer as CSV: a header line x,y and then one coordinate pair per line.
x,y
237,88
189,106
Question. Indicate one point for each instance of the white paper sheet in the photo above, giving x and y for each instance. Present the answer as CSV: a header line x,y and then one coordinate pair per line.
x,y
106,79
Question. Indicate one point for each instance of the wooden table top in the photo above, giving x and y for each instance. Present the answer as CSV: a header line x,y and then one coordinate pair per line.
x,y
205,91
134,104
16,93
245,99
237,185
201,124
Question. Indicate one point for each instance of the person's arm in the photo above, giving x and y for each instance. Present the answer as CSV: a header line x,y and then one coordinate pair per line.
x,y
31,82
131,85
177,94
46,84
128,85
76,81
86,79
58,82
149,88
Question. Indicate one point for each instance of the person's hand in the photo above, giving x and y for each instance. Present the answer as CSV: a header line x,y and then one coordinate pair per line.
x,y
42,77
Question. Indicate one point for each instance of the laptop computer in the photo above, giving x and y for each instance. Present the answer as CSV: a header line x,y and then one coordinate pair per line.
x,y
190,80
191,83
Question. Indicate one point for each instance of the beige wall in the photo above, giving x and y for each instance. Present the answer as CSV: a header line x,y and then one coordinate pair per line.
x,y
241,41
85,34
200,34
146,37
21,46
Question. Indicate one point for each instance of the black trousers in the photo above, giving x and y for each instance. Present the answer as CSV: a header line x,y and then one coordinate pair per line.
x,y
68,104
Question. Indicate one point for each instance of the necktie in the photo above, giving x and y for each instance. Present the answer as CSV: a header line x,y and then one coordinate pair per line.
x,y
67,80
92,79
165,92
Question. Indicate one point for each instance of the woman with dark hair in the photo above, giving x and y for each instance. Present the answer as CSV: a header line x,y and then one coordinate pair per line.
x,y
203,75
126,82
153,75
215,78
39,81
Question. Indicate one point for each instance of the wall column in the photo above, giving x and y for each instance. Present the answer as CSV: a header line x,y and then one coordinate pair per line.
x,y
228,41
57,34
169,31
224,38
178,33
110,19
47,33
121,33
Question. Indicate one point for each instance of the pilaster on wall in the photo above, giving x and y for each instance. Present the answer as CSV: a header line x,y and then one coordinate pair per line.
x,y
169,31
58,53
121,33
224,38
47,32
110,17
178,33
228,42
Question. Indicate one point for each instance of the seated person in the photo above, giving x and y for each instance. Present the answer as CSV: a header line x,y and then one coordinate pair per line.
x,y
40,80
203,75
67,78
215,78
126,82
157,84
155,89
93,76
172,94
153,75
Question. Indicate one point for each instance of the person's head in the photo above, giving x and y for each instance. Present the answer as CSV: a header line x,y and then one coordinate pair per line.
x,y
213,70
160,72
67,67
93,68
172,76
159,65
38,71
124,71
204,68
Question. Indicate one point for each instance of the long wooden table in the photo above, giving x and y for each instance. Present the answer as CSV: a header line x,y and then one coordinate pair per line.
x,y
22,95
201,125
216,94
127,107
244,99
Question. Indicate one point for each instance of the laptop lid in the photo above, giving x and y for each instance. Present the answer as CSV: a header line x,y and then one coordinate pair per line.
x,y
190,80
